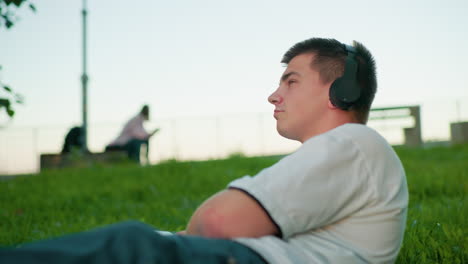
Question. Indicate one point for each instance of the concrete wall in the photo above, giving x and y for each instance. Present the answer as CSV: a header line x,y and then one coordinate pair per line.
x,y
459,132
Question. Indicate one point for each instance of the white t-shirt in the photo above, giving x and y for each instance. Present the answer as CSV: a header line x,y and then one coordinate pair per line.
x,y
340,198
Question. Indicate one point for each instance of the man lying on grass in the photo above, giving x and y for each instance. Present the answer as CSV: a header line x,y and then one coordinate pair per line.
x,y
340,198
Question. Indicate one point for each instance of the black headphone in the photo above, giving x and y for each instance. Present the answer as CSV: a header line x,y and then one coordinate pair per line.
x,y
345,90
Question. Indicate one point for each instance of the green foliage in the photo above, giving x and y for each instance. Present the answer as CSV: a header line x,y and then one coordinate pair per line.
x,y
8,99
7,11
236,155
8,19
57,202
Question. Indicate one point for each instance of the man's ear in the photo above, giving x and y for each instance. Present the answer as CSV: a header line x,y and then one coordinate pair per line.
x,y
330,105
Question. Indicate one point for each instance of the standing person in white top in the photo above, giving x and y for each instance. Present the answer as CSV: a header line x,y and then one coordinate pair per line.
x,y
340,198
133,136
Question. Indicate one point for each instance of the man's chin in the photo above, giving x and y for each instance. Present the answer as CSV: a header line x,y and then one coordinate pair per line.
x,y
286,134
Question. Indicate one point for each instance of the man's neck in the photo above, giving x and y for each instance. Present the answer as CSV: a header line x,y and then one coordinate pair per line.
x,y
331,121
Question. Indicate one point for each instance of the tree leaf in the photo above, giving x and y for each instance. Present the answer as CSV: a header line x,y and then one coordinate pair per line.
x,y
4,103
10,112
18,2
19,98
8,23
8,89
32,7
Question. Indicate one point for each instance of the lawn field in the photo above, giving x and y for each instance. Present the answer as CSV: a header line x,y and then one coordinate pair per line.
x,y
57,202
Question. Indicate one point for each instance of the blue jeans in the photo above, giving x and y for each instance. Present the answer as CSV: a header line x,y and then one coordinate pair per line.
x,y
127,243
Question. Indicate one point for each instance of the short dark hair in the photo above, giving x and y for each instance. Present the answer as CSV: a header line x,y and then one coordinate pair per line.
x,y
329,61
145,111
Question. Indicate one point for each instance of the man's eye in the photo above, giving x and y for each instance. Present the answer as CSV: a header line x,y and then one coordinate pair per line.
x,y
291,82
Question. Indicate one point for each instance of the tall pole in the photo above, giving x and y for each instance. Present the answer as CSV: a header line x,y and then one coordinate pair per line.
x,y
84,83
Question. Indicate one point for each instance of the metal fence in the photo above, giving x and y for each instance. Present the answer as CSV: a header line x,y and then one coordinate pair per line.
x,y
200,138
195,138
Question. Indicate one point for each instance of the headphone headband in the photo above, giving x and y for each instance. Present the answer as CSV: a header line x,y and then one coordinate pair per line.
x,y
349,49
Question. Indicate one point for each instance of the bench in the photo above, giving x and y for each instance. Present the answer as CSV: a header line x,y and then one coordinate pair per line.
x,y
81,160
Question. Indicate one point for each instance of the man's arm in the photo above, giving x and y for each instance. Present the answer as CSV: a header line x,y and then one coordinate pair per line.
x,y
231,213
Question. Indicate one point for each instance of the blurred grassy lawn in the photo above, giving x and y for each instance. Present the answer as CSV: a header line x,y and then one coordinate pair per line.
x,y
57,202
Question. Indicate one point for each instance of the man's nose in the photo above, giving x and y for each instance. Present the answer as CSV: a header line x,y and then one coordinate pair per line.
x,y
274,98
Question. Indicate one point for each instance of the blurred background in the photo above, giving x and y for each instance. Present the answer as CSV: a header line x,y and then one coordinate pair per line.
x,y
206,68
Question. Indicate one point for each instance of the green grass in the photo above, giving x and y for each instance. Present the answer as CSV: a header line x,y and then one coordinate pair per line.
x,y
437,224
58,202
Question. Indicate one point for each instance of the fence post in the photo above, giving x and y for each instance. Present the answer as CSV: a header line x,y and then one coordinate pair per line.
x,y
174,138
37,154
261,131
219,133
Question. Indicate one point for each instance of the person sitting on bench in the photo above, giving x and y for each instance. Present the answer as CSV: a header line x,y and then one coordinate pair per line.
x,y
133,136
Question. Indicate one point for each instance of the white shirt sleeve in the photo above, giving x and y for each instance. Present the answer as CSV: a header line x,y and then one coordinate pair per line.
x,y
321,183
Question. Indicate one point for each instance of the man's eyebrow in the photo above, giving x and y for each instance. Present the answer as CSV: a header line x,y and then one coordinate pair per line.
x,y
287,75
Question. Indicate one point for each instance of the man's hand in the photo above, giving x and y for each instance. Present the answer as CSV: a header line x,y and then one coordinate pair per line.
x,y
231,213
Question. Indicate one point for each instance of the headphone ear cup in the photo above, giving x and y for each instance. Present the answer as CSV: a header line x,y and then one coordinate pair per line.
x,y
345,90
332,94
340,94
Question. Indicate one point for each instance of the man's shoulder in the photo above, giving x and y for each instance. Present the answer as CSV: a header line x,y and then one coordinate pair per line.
x,y
361,135
355,129
348,136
